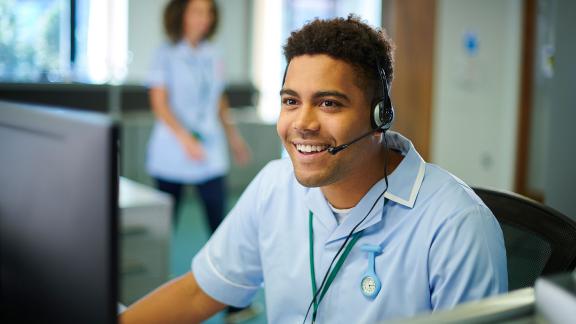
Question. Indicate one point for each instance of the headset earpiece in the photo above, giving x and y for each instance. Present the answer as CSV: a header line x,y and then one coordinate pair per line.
x,y
382,113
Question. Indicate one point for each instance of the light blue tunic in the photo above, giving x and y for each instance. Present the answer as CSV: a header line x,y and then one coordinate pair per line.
x,y
441,246
193,79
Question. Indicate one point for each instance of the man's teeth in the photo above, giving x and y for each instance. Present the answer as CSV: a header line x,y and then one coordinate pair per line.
x,y
310,148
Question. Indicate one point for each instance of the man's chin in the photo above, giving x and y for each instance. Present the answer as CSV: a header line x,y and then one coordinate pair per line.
x,y
307,183
312,181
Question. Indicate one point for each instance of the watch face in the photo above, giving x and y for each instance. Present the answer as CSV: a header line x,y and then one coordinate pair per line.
x,y
368,285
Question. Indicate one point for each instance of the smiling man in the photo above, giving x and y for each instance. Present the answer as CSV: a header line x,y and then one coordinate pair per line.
x,y
355,227
323,104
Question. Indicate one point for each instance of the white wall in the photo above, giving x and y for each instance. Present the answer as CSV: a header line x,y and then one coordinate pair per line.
x,y
145,33
476,96
234,38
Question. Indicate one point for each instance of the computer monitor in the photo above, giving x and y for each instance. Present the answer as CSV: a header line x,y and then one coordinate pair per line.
x,y
58,215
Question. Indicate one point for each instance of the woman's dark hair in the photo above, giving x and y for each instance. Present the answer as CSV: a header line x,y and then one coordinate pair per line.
x,y
348,39
174,19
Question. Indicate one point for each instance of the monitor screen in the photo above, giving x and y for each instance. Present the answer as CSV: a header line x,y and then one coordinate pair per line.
x,y
58,215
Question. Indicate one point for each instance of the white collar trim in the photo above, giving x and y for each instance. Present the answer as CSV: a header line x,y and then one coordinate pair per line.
x,y
415,188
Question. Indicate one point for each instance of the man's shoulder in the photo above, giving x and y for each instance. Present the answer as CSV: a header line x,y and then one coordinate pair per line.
x,y
446,190
440,177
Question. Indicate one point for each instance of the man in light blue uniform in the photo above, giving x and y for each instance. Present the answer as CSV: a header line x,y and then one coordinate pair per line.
x,y
355,227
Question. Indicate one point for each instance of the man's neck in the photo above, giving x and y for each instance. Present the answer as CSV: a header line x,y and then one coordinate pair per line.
x,y
348,192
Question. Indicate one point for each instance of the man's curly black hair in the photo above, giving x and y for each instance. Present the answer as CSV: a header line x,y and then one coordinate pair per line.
x,y
348,39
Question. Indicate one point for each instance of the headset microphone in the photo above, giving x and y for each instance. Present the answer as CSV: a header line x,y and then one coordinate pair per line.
x,y
335,149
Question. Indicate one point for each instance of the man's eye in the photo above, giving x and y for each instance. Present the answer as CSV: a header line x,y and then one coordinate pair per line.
x,y
289,101
328,103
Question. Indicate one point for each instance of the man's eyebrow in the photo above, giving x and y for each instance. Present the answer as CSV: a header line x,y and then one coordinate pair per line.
x,y
337,94
288,92
319,94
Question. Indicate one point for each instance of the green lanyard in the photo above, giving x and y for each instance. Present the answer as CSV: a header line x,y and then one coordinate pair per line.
x,y
334,271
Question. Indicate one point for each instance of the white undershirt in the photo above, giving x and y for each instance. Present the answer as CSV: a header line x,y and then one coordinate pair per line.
x,y
340,214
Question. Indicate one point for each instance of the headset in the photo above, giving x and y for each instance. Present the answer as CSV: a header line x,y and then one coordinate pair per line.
x,y
382,113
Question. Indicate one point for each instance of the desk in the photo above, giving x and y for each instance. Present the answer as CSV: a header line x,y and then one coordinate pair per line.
x,y
553,300
145,234
515,307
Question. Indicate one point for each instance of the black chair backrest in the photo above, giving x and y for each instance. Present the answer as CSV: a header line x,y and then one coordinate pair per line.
x,y
539,240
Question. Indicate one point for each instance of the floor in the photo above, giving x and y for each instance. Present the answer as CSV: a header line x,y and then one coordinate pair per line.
x,y
190,236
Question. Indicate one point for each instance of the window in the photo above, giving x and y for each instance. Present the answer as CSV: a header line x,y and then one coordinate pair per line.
x,y
63,40
101,41
34,44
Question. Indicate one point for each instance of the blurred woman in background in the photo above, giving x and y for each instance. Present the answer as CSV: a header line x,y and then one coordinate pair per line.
x,y
188,145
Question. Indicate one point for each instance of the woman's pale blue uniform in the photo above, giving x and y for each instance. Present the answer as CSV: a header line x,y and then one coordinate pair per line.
x,y
194,81
440,246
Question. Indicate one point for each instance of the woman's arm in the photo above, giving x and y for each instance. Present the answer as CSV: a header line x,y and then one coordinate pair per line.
x,y
162,111
238,147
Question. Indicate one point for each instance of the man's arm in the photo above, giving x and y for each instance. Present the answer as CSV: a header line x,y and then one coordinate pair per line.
x,y
467,260
178,301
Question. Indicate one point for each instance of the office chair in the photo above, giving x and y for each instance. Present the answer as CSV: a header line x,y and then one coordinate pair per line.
x,y
539,240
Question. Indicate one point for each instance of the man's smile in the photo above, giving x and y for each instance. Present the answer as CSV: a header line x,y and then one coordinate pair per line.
x,y
310,148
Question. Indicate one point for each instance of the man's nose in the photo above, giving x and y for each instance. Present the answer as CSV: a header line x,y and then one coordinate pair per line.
x,y
306,119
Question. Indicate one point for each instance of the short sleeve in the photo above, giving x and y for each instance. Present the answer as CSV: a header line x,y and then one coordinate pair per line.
x,y
228,267
467,259
157,73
